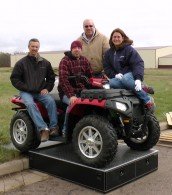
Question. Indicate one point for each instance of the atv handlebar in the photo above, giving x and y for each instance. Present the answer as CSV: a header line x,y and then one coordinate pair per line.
x,y
80,77
92,82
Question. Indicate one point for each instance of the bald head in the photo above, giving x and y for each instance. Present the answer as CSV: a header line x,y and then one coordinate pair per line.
x,y
89,28
88,21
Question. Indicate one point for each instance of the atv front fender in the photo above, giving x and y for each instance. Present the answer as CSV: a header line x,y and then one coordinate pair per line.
x,y
79,106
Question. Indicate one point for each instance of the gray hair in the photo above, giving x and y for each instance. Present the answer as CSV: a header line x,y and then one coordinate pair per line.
x,y
33,40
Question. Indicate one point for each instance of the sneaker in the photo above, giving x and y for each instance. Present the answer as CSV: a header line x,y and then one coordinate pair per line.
x,y
147,89
44,135
54,131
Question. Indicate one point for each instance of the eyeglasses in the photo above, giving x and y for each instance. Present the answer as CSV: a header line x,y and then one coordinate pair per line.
x,y
86,26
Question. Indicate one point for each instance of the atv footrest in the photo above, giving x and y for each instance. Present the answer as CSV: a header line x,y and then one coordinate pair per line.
x,y
61,161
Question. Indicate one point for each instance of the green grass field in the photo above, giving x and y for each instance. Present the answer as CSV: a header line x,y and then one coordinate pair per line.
x,y
6,91
161,80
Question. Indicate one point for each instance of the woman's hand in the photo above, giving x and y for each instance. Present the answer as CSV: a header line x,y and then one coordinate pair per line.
x,y
138,85
119,76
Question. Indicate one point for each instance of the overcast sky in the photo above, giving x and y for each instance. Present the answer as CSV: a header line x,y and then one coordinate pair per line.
x,y
56,23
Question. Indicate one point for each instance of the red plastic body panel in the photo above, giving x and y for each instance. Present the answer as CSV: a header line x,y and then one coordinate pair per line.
x,y
79,106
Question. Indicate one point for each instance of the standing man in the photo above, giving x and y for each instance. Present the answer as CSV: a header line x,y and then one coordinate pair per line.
x,y
33,76
94,45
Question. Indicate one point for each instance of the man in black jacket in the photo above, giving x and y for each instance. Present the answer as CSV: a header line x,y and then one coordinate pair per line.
x,y
33,76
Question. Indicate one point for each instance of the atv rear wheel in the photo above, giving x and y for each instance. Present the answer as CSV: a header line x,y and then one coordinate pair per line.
x,y
150,137
95,141
22,132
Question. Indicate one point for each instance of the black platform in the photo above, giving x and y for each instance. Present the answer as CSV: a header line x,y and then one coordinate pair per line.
x,y
128,165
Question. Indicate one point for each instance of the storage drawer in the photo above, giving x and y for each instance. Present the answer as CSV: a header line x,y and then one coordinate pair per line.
x,y
120,175
146,165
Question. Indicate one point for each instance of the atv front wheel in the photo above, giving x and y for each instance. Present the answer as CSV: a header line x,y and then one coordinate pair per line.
x,y
22,132
149,138
95,141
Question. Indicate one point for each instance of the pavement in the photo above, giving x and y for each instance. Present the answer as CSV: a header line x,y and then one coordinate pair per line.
x,y
16,173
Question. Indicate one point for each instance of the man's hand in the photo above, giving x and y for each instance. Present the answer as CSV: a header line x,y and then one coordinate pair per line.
x,y
106,77
119,76
72,99
138,85
44,92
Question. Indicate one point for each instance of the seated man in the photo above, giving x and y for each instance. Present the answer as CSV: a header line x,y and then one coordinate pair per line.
x,y
72,64
33,76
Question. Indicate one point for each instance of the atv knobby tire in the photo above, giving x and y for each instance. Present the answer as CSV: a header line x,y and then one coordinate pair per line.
x,y
151,137
22,132
95,141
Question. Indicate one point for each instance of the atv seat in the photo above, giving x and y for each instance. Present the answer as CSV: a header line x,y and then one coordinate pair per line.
x,y
101,94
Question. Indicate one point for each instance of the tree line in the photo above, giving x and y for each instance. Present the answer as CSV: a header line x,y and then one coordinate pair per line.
x,y
5,60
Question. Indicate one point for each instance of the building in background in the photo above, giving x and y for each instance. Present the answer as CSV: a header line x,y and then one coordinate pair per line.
x,y
154,57
53,56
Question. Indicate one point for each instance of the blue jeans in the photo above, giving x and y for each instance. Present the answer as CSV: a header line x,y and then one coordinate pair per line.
x,y
47,101
127,82
65,124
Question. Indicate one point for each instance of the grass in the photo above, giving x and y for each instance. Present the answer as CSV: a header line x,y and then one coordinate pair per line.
x,y
6,91
8,154
160,79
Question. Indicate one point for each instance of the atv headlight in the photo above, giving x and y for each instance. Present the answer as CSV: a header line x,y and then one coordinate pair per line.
x,y
121,106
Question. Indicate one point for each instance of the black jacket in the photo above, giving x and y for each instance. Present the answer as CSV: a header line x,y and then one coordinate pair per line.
x,y
31,74
123,60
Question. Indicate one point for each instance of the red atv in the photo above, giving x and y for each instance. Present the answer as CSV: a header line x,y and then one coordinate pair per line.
x,y
96,121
